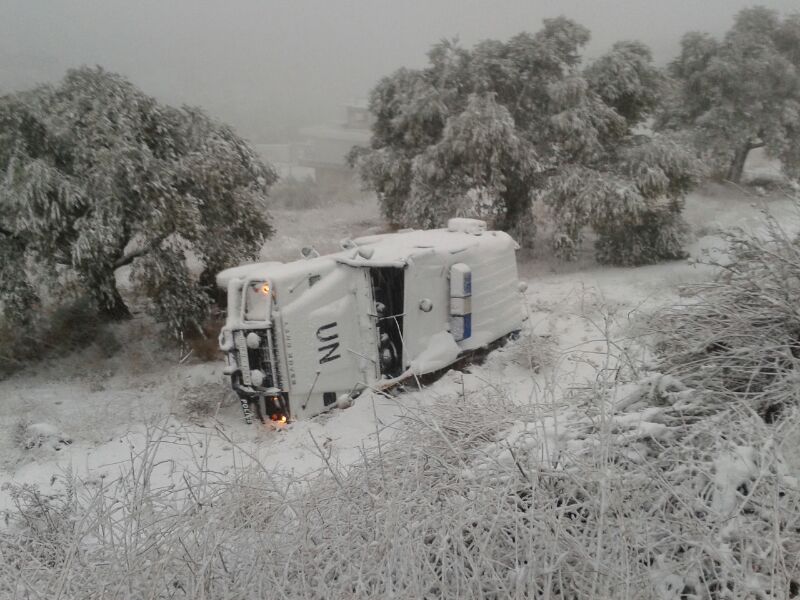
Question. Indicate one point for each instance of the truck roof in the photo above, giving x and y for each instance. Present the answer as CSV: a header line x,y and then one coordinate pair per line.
x,y
384,250
397,249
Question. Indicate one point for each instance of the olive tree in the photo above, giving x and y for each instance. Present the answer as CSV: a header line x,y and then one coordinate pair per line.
x,y
488,130
741,92
95,176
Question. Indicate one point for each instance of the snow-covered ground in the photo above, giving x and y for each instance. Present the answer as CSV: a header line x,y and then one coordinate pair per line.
x,y
92,415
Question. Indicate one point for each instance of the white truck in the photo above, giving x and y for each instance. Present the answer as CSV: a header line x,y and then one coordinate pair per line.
x,y
304,336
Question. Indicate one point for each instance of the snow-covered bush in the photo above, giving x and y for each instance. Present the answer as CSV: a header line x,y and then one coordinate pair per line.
x,y
96,176
42,526
634,207
29,435
15,348
738,338
60,329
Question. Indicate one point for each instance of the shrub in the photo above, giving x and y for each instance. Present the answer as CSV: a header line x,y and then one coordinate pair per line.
x,y
739,337
71,326
28,435
62,329
107,342
17,348
44,526
659,236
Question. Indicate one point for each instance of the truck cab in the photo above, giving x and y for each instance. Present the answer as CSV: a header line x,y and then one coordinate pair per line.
x,y
301,336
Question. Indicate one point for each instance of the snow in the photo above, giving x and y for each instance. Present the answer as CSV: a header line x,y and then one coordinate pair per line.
x,y
243,272
109,408
733,469
38,435
470,226
442,350
400,248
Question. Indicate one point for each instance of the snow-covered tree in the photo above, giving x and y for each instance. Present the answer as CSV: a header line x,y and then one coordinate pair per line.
x,y
626,80
741,92
95,175
628,187
487,130
480,157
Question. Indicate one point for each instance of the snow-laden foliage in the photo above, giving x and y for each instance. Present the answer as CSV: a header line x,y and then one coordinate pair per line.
x,y
95,175
644,191
626,80
485,131
479,158
741,92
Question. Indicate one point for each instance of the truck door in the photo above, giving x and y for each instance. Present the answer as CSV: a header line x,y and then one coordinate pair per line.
x,y
330,339
388,288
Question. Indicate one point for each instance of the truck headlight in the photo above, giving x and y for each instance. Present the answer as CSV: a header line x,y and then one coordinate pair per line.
x,y
253,340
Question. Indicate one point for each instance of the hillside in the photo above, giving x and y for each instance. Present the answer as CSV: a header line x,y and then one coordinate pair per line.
x,y
80,423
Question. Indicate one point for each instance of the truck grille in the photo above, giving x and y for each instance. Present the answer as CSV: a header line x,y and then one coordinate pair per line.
x,y
242,357
264,358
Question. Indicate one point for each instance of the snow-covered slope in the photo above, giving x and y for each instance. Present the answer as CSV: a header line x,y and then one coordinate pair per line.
x,y
93,415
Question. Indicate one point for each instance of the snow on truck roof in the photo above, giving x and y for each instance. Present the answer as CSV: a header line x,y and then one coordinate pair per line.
x,y
387,249
243,271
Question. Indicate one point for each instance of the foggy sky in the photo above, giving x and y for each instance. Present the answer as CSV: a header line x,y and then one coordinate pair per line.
x,y
269,66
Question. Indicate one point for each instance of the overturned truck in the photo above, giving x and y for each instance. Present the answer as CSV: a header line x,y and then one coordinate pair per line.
x,y
304,336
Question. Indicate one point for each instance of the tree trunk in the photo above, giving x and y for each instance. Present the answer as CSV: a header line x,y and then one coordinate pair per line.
x,y
115,308
736,168
518,219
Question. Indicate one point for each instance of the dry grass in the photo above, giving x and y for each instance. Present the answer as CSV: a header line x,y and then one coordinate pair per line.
x,y
629,498
200,402
738,337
